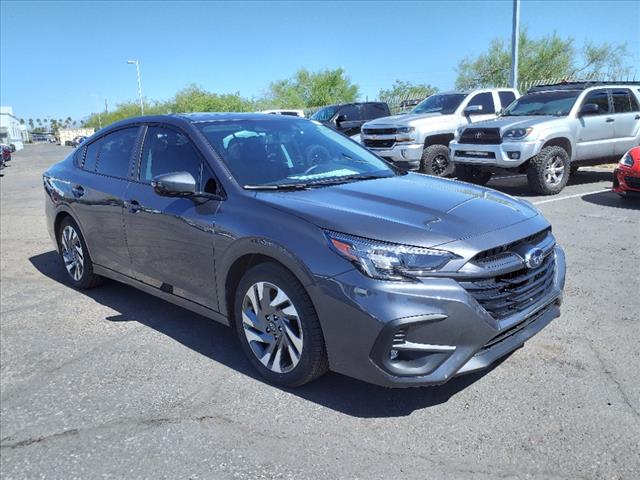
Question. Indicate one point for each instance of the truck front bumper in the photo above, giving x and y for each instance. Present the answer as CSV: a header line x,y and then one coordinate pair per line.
x,y
404,155
504,155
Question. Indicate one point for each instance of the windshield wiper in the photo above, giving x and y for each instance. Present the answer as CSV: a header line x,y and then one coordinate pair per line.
x,y
347,179
284,186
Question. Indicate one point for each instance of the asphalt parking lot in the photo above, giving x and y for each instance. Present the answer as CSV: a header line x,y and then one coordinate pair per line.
x,y
115,383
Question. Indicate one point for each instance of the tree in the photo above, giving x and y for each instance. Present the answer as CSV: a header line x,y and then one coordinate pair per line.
x,y
546,58
404,90
195,99
22,121
30,121
312,89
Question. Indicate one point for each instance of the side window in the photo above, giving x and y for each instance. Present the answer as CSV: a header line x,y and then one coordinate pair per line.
x,y
352,112
166,151
506,98
115,152
374,110
91,156
486,101
600,98
624,101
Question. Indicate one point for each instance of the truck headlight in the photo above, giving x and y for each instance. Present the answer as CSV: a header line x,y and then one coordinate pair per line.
x,y
517,133
388,261
405,134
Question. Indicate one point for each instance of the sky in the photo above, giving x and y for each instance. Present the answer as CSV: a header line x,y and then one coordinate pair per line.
x,y
63,59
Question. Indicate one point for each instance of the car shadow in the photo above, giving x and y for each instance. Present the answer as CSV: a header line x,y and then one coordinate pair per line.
x,y
607,198
219,343
517,184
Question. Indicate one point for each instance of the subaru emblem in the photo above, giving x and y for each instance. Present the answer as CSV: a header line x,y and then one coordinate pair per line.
x,y
533,258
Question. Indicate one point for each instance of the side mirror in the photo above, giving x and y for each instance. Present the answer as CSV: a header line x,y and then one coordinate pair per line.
x,y
588,109
341,118
473,110
175,184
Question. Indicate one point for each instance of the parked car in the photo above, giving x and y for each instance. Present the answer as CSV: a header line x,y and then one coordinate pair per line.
x,y
550,132
349,117
290,112
420,140
6,152
77,141
626,177
318,253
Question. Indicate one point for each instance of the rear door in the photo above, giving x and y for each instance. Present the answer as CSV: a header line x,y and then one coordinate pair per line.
x,y
170,239
626,113
596,138
99,193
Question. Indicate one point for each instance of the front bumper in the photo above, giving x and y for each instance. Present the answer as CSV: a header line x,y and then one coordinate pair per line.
x,y
502,155
626,182
367,316
404,155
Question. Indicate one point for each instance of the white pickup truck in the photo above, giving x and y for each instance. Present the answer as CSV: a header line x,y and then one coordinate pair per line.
x,y
420,140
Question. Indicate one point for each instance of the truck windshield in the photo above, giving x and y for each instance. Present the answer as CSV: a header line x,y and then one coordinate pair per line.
x,y
444,104
324,114
557,103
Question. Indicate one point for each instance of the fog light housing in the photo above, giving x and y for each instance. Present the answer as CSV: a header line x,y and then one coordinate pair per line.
x,y
514,155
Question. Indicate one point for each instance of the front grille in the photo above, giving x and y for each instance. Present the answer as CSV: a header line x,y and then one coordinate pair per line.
x,y
387,143
633,182
515,329
507,294
535,238
481,136
379,131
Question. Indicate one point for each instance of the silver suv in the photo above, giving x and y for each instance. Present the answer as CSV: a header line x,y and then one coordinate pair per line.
x,y
549,132
419,140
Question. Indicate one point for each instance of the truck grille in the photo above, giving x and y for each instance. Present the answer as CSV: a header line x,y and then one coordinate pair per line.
x,y
481,136
633,182
387,143
379,131
507,294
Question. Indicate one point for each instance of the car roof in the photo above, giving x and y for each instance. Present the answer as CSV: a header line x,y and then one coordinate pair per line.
x,y
579,86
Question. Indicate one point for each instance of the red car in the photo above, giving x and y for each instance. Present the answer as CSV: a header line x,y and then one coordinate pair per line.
x,y
626,177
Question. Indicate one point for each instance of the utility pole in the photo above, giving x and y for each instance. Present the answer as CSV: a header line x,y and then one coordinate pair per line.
x,y
515,39
106,106
137,64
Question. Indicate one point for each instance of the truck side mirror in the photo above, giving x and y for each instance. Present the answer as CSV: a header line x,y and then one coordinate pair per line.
x,y
473,110
340,118
589,109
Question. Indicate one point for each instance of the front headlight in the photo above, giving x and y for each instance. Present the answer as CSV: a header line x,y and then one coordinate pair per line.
x,y
405,134
627,160
388,261
517,133
405,129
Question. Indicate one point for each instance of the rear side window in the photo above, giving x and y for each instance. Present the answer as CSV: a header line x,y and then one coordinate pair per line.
x,y
375,110
600,98
115,152
506,98
485,100
91,156
624,101
352,112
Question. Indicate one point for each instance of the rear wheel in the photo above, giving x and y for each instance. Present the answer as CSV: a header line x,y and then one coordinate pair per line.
x,y
75,256
278,327
548,171
471,174
435,160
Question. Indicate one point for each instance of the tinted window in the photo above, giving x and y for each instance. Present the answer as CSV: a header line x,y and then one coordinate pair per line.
x,y
485,100
543,103
91,156
167,151
506,98
115,152
444,104
599,98
325,113
352,112
375,110
624,101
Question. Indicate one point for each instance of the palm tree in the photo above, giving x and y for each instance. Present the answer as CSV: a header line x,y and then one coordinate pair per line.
x,y
22,121
31,123
68,121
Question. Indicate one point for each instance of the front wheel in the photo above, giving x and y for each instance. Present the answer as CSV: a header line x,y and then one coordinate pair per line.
x,y
548,171
278,326
435,160
471,174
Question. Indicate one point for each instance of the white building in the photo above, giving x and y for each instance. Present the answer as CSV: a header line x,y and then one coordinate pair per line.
x,y
10,128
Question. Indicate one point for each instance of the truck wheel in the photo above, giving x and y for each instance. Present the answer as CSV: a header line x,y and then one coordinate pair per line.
x,y
471,174
435,160
548,171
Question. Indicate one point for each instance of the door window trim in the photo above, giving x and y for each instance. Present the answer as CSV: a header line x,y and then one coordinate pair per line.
x,y
85,148
609,101
631,102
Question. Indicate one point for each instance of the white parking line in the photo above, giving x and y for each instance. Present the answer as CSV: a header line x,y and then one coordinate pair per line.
x,y
569,196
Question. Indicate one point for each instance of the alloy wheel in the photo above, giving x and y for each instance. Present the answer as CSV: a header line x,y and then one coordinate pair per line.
x,y
439,164
554,171
272,327
72,252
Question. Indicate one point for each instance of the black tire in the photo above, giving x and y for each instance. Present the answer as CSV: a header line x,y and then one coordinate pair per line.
x,y
88,279
574,169
313,361
435,161
536,175
471,174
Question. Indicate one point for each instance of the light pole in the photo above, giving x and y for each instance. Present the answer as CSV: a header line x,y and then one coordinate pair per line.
x,y
515,39
137,64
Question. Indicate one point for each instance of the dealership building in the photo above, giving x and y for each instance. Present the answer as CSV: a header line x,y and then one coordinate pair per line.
x,y
11,132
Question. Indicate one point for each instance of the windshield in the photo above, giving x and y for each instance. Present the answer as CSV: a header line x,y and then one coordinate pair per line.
x,y
444,104
544,103
324,114
287,151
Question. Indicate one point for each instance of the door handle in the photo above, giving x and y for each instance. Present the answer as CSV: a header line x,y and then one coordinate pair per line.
x,y
133,206
77,191
609,120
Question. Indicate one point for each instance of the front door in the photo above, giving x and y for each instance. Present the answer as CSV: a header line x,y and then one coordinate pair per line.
x,y
171,239
595,132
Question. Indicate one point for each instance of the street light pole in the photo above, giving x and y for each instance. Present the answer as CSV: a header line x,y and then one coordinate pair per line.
x,y
137,64
515,39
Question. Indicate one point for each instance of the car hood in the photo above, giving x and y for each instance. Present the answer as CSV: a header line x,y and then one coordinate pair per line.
x,y
405,119
410,209
516,122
